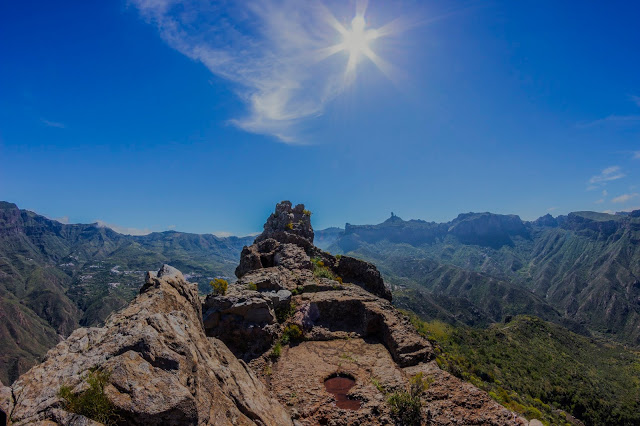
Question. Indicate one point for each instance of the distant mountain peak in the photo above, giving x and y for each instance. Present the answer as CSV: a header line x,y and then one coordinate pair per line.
x,y
393,219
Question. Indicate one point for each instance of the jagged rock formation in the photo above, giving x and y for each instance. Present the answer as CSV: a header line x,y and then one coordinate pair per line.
x,y
297,315
348,327
162,368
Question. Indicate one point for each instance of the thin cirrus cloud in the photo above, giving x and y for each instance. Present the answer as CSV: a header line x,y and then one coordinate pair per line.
x,y
270,50
50,123
625,197
607,175
614,118
636,155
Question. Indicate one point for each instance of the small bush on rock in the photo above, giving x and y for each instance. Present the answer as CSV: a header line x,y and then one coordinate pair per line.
x,y
276,351
292,333
320,270
289,226
252,286
285,312
407,406
219,286
91,403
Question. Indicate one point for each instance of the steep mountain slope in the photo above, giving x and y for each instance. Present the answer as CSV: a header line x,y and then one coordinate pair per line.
x,y
581,270
56,277
535,367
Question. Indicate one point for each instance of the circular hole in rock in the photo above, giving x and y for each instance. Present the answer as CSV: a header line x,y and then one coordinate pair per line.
x,y
339,386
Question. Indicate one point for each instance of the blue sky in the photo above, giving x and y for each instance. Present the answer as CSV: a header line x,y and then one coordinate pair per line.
x,y
200,116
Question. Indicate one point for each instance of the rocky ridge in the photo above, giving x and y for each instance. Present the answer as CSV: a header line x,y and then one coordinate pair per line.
x,y
299,316
258,354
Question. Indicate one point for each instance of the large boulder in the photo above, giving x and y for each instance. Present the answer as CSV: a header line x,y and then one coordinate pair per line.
x,y
364,274
161,367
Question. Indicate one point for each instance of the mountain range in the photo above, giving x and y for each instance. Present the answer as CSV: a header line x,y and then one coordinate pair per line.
x,y
56,277
568,274
581,270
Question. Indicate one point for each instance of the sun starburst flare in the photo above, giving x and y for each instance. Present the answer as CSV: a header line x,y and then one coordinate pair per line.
x,y
357,41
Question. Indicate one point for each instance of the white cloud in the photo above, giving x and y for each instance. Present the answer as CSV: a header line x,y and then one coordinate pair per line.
x,y
635,99
52,123
625,197
636,155
550,209
607,175
63,219
605,193
123,229
222,234
171,227
600,201
274,51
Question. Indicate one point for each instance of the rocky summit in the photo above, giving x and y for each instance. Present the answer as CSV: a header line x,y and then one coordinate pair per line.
x,y
266,351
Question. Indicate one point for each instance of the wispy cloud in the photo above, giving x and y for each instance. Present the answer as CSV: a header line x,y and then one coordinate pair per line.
x,y
636,155
625,197
600,201
52,123
273,51
63,219
630,209
123,229
635,99
612,119
607,175
550,209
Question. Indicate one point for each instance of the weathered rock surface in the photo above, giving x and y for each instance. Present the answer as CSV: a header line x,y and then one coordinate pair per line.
x,y
363,274
289,225
162,367
349,328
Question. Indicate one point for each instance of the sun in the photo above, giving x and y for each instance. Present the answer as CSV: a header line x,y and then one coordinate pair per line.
x,y
357,42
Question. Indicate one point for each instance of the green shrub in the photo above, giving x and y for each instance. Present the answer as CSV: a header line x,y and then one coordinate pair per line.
x,y
276,351
292,333
252,286
338,256
306,212
320,270
91,403
289,226
323,272
219,286
285,312
339,279
407,406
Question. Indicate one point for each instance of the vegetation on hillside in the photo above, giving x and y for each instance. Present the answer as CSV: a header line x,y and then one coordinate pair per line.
x,y
537,368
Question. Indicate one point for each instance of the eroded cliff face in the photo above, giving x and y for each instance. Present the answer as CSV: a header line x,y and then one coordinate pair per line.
x,y
260,354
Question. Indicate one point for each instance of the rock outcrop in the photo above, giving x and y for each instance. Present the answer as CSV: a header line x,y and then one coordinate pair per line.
x,y
162,369
333,318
